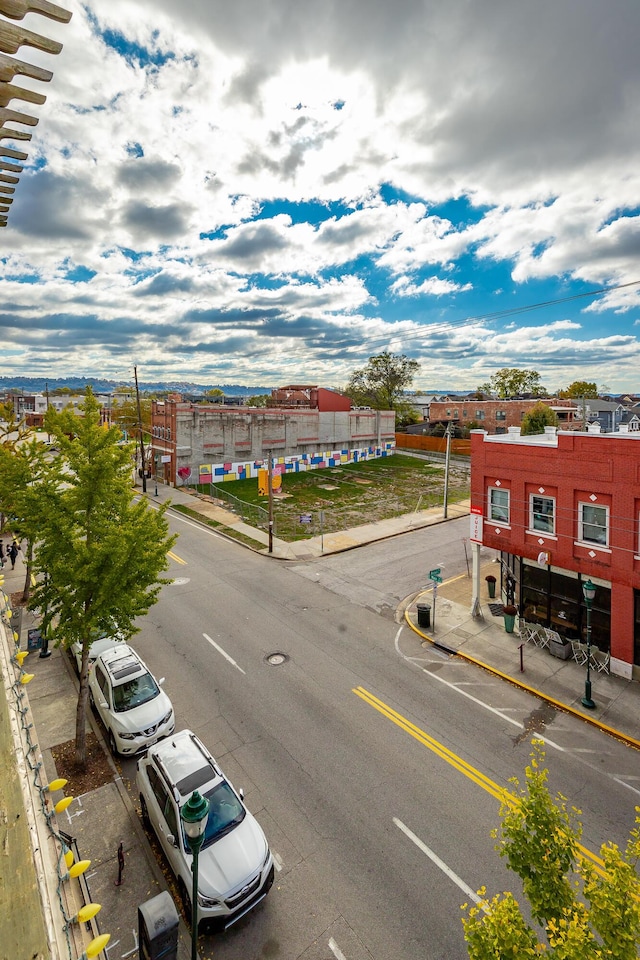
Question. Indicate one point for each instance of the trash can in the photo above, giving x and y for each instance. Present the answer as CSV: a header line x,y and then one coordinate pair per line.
x,y
424,614
158,928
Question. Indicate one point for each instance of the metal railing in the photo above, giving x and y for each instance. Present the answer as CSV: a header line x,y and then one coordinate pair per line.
x,y
252,513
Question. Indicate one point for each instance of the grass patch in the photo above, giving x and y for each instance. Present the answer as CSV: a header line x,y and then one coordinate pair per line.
x,y
361,493
229,531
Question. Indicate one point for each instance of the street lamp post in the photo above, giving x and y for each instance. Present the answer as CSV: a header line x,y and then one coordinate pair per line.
x,y
589,591
194,817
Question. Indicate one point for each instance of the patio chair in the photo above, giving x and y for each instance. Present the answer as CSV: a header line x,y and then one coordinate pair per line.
x,y
579,652
600,660
540,636
527,631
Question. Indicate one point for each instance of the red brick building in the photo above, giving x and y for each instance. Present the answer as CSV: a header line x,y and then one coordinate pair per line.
x,y
562,508
312,398
496,416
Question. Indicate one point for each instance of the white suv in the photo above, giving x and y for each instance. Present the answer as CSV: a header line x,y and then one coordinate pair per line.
x,y
129,701
235,865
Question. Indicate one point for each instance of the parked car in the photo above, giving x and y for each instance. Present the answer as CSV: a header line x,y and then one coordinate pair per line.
x,y
98,646
134,709
235,865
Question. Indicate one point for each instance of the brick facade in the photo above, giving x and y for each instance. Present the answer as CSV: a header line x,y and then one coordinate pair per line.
x,y
496,416
574,497
191,435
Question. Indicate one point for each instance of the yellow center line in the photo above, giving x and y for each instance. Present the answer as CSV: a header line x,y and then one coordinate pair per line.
x,y
174,556
476,776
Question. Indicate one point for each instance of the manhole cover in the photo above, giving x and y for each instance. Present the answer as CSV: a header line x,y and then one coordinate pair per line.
x,y
275,659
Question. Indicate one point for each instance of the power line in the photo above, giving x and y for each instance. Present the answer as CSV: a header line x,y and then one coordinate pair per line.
x,y
499,314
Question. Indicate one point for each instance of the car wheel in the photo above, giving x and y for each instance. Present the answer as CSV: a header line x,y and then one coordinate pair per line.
x,y
186,901
144,813
112,744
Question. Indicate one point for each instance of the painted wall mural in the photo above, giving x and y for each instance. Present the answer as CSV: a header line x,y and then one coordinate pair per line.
x,y
245,470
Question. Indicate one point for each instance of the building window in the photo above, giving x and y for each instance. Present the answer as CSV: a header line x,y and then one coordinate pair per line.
x,y
479,414
593,523
498,505
501,415
542,514
449,412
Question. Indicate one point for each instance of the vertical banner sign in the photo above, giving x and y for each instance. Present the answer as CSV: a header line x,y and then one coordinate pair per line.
x,y
476,525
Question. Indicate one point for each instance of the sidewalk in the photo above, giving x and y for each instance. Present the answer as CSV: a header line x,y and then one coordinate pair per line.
x,y
485,641
104,817
98,821
312,547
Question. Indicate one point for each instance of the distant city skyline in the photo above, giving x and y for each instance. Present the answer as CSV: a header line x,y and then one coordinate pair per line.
x,y
247,194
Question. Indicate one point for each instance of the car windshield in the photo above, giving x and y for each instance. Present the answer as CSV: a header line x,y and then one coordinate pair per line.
x,y
134,692
225,813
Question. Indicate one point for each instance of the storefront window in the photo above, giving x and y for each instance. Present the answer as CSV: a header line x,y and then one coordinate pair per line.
x,y
556,600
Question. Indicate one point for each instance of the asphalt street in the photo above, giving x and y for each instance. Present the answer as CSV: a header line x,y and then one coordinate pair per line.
x,y
372,758
328,776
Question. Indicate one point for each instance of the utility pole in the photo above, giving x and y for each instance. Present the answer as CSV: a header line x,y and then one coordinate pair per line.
x,y
270,481
446,469
144,470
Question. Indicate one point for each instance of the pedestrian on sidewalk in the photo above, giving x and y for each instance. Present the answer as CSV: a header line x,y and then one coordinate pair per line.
x,y
13,553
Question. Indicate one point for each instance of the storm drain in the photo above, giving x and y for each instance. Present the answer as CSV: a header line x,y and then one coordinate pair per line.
x,y
275,659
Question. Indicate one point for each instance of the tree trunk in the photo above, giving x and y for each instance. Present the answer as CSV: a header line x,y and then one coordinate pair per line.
x,y
81,708
27,579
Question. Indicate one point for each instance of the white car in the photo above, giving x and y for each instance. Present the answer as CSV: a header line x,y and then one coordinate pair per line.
x,y
235,865
95,649
135,710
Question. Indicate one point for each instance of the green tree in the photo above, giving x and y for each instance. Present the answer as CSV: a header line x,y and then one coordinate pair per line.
x,y
22,467
513,382
215,394
406,415
381,383
99,552
258,400
579,389
124,413
537,419
586,913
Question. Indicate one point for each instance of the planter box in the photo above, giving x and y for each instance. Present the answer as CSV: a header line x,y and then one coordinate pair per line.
x,y
560,650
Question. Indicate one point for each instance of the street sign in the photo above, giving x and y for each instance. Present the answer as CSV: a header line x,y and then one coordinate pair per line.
x,y
435,577
305,518
434,574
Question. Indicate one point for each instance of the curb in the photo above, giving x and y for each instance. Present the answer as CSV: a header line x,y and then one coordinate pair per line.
x,y
617,734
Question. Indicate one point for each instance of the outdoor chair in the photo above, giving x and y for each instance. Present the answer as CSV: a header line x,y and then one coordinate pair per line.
x,y
600,660
579,652
527,631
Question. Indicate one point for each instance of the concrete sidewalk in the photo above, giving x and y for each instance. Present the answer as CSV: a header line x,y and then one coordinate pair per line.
x,y
98,821
308,549
484,640
103,818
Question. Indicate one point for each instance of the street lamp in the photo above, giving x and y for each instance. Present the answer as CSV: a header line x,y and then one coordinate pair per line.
x,y
589,591
194,817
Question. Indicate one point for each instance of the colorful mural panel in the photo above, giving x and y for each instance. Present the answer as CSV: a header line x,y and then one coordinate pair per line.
x,y
243,470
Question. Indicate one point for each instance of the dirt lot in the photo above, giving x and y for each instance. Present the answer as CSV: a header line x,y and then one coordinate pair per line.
x,y
352,495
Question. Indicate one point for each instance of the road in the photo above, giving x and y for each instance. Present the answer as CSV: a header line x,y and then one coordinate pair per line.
x,y
371,765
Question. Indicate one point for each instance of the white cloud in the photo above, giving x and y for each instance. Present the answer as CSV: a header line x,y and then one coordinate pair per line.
x,y
164,141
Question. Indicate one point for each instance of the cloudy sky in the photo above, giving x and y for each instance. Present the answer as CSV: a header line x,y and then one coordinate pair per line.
x,y
269,192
